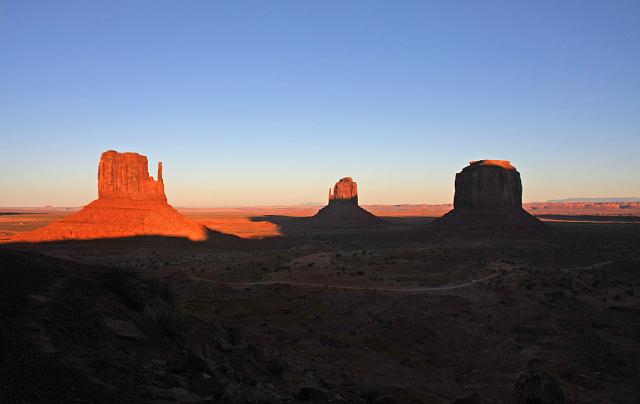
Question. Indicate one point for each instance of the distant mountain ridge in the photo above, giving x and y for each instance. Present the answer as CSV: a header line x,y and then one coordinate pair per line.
x,y
605,199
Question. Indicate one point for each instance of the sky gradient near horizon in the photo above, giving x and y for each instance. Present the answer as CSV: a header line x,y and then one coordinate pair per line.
x,y
270,103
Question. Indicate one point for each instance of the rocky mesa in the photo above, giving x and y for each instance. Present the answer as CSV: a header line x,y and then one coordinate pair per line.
x,y
130,203
488,195
126,176
343,211
345,190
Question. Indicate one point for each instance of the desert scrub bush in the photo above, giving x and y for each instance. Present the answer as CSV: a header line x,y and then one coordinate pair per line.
x,y
156,300
128,286
101,355
168,318
165,310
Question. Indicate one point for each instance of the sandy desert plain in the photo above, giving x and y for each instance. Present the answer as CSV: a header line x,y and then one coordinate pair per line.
x,y
268,310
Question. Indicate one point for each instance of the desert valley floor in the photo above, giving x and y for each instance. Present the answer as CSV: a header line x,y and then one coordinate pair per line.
x,y
269,310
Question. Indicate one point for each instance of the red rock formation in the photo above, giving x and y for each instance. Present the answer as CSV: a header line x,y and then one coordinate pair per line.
x,y
130,203
488,195
343,210
126,175
345,190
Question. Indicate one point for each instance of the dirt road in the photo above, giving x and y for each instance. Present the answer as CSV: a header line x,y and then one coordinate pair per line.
x,y
383,289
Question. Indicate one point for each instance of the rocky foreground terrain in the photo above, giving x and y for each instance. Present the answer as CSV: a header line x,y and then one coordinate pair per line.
x,y
385,316
128,300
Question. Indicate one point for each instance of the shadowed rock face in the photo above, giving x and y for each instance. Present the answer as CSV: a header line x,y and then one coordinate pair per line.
x,y
488,184
488,196
343,210
130,203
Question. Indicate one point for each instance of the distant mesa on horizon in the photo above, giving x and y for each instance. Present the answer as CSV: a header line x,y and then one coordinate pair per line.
x,y
130,203
488,196
343,211
310,203
597,200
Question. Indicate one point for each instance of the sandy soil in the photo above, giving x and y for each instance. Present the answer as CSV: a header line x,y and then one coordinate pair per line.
x,y
255,222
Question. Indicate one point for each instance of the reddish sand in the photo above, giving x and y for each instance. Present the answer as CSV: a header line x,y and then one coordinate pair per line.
x,y
115,218
245,221
241,221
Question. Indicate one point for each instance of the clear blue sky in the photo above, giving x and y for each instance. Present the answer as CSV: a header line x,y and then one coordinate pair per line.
x,y
270,102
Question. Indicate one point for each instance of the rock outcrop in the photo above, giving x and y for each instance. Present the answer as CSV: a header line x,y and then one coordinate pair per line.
x,y
488,195
126,176
345,190
130,203
534,386
343,210
488,184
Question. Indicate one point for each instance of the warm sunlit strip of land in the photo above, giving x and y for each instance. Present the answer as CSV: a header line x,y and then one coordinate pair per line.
x,y
252,222
244,222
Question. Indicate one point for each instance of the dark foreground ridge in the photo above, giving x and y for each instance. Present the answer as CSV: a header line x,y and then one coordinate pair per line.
x,y
317,320
78,333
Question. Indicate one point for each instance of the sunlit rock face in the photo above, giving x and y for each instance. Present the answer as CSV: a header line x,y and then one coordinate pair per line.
x,y
488,196
130,203
345,190
343,210
126,176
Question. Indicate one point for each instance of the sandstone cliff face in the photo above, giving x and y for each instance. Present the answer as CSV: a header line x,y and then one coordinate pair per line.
x,y
130,203
488,184
345,190
488,196
126,176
